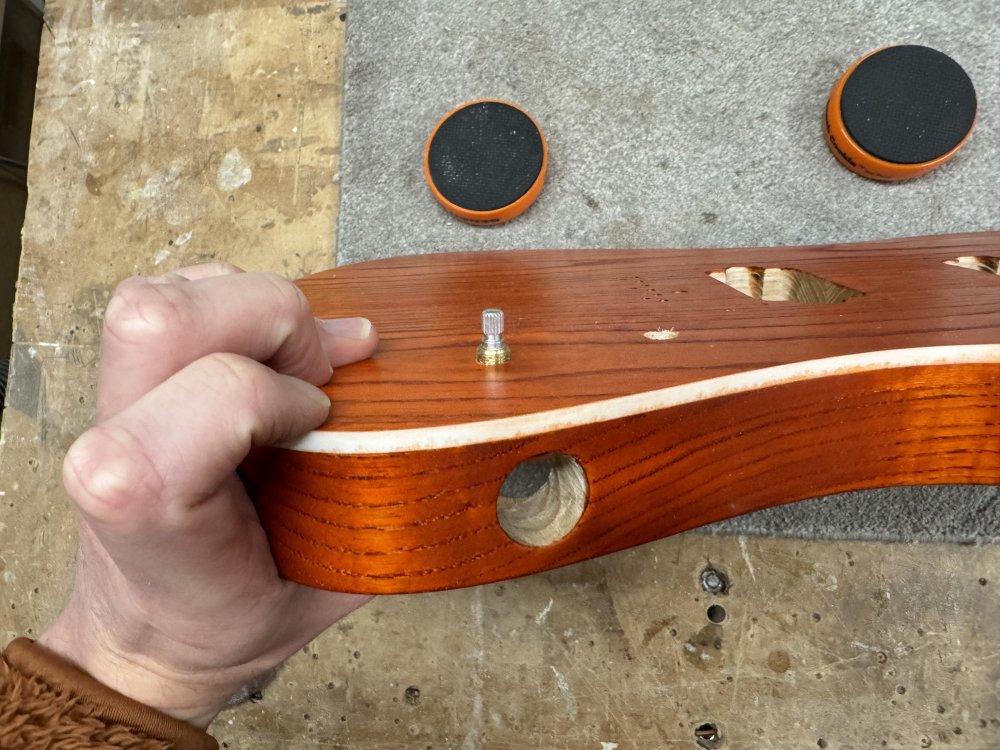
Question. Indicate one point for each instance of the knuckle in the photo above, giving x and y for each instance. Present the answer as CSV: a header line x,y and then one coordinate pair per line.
x,y
106,470
244,388
231,370
141,312
239,377
292,301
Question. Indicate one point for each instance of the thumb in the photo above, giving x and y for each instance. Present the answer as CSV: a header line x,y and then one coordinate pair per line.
x,y
147,471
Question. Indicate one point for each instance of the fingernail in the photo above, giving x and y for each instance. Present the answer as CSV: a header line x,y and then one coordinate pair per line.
x,y
319,396
348,328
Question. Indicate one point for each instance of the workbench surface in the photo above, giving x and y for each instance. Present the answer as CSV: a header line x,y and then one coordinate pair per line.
x,y
168,134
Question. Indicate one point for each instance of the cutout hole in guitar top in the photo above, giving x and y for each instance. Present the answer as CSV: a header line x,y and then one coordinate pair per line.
x,y
784,285
542,500
977,263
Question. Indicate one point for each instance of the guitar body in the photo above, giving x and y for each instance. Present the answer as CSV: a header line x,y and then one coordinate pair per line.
x,y
670,389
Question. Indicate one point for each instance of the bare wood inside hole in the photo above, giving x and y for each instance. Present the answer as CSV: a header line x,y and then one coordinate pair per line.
x,y
986,263
551,511
784,285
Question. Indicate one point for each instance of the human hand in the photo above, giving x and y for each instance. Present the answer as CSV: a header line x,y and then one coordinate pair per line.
x,y
177,602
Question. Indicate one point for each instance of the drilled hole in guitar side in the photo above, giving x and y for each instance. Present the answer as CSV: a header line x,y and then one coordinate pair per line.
x,y
542,499
784,285
977,263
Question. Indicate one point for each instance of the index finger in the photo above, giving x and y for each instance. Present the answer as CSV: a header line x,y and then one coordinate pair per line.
x,y
155,328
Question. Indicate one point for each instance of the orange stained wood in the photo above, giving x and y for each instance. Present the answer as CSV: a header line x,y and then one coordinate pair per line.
x,y
738,404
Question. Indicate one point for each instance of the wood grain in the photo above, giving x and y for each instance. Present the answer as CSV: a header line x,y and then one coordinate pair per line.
x,y
417,520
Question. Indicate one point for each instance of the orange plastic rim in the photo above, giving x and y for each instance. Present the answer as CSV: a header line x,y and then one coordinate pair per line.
x,y
497,215
861,162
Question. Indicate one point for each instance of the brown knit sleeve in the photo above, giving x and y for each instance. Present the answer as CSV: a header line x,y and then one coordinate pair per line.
x,y
46,702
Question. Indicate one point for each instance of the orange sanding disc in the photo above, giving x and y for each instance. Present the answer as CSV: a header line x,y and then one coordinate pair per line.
x,y
900,112
485,161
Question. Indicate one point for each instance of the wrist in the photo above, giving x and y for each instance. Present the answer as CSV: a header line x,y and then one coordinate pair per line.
x,y
190,697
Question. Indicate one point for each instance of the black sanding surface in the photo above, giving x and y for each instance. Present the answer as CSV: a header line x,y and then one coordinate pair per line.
x,y
485,156
908,104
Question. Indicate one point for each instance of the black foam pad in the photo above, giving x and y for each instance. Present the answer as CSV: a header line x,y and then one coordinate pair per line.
x,y
908,104
485,156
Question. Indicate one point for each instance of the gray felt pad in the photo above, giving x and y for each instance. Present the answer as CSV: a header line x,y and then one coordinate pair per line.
x,y
690,123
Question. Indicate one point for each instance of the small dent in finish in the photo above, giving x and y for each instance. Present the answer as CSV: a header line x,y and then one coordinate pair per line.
x,y
661,335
